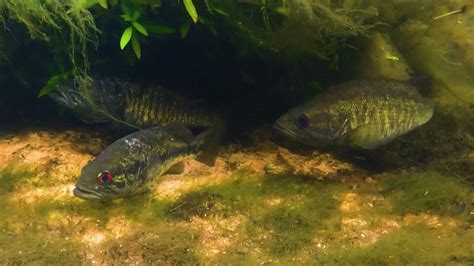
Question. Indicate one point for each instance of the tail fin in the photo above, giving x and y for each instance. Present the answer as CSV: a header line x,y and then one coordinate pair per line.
x,y
209,141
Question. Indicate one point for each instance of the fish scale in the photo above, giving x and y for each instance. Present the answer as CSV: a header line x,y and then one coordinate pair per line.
x,y
393,117
147,107
136,160
361,114
166,134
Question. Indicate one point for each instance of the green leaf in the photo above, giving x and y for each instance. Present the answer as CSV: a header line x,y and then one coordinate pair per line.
x,y
154,3
125,9
103,4
221,12
188,4
89,3
52,83
126,36
113,2
136,15
136,46
282,11
126,17
159,29
140,28
184,30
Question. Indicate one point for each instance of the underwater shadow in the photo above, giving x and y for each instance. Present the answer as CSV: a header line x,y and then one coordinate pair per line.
x,y
370,161
282,211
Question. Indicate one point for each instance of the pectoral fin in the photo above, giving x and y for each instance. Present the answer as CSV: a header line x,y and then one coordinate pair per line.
x,y
176,169
209,141
367,136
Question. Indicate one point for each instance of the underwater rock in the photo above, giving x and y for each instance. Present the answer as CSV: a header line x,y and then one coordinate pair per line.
x,y
379,59
443,48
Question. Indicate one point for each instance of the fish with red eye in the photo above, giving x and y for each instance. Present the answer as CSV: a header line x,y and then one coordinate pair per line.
x,y
104,177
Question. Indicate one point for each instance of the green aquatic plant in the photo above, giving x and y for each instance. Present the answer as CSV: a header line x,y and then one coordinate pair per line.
x,y
74,28
48,20
132,11
131,32
267,7
70,29
318,28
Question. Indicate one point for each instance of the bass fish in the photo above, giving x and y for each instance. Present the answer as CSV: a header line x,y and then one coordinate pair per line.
x,y
362,114
129,104
165,123
126,166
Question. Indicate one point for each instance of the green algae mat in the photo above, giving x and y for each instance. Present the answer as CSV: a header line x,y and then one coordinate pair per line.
x,y
258,204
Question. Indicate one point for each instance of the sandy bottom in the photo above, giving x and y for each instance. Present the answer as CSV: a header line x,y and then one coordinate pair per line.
x,y
258,204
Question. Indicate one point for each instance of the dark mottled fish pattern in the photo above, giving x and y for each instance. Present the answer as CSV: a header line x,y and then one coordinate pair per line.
x,y
130,104
165,123
126,166
361,114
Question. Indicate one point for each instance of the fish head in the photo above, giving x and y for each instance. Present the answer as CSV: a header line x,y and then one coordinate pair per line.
x,y
119,171
67,95
309,125
92,102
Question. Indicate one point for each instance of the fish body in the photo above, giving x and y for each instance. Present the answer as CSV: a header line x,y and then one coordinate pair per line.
x,y
169,128
126,166
362,114
129,104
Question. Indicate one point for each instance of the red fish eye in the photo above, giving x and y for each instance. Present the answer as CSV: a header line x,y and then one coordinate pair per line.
x,y
104,177
303,121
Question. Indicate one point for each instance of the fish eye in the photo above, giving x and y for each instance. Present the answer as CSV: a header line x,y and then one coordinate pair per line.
x,y
104,177
302,121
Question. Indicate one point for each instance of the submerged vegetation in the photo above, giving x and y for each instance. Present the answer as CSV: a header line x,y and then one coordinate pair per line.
x,y
67,25
75,28
410,202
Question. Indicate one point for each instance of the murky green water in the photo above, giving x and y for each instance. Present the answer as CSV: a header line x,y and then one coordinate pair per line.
x,y
265,200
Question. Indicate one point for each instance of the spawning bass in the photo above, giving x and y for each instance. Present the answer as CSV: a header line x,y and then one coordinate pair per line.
x,y
127,165
129,104
362,114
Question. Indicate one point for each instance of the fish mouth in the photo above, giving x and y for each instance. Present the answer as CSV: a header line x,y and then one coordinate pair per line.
x,y
84,193
284,130
293,135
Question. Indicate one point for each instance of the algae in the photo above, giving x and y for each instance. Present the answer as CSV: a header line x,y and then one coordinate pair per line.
x,y
427,192
262,203
53,20
337,214
11,180
379,58
300,28
441,49
162,246
413,244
